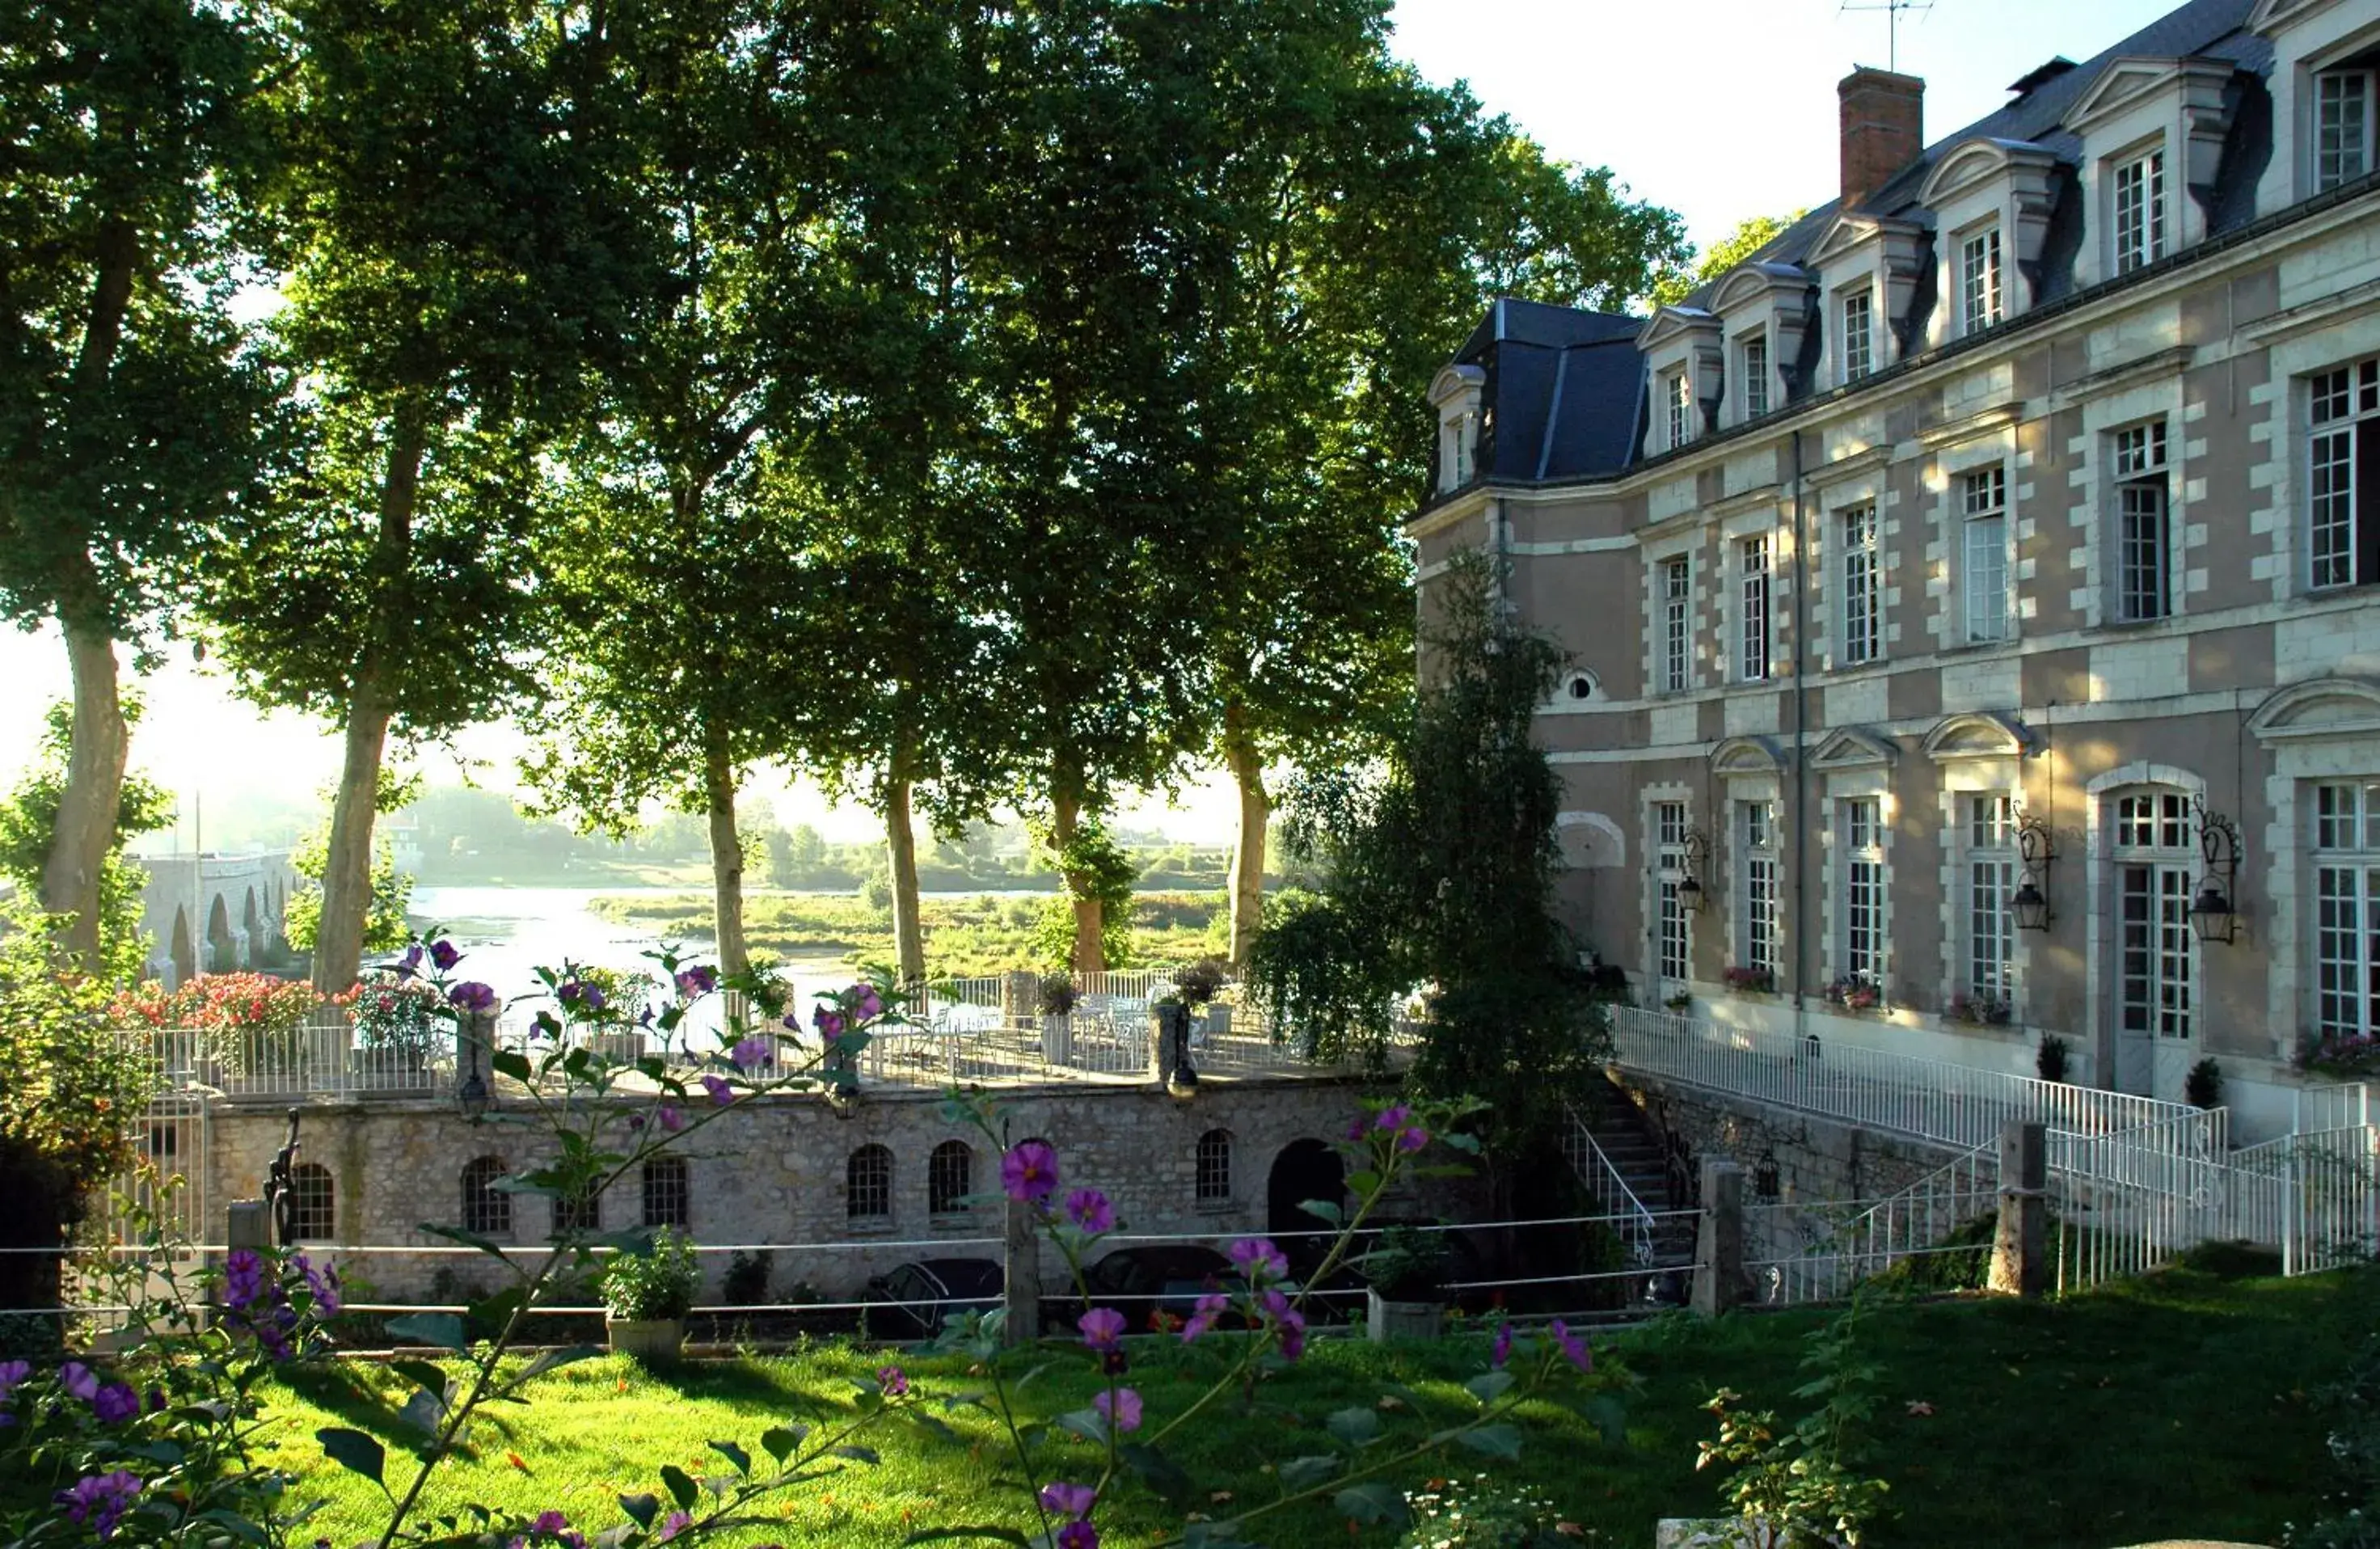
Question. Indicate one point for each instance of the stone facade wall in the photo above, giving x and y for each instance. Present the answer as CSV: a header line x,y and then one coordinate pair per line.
x,y
773,1171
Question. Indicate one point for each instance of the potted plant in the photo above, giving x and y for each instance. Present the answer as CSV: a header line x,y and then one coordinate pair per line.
x,y
2051,1062
1751,981
1404,1290
2202,1088
396,1022
648,1295
1678,1003
1199,983
1057,1001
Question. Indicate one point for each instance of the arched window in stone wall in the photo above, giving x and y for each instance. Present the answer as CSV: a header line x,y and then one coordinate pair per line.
x,y
578,1213
487,1210
867,1186
1214,1170
950,1179
316,1199
669,1198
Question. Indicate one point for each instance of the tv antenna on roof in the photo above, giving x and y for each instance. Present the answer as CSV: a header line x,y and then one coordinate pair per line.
x,y
1891,9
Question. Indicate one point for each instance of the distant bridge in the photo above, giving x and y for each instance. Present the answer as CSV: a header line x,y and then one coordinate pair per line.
x,y
213,913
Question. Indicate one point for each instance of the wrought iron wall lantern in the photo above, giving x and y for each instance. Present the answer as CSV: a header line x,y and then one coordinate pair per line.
x,y
2215,913
472,1096
1766,1181
1691,892
2036,849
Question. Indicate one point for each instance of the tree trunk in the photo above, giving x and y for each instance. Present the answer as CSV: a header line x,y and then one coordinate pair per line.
x,y
1248,856
726,857
346,869
1090,943
901,841
96,752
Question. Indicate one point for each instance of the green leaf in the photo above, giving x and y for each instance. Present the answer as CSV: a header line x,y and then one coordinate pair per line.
x,y
496,1309
356,1452
681,1488
856,1454
1609,1418
781,1441
425,1411
641,1509
1488,1386
1357,1426
238,1526
469,1239
735,1455
442,1329
422,1375
1304,1473
1462,1141
1370,1502
1084,1423
1161,1473
1495,1441
1322,1209
508,1062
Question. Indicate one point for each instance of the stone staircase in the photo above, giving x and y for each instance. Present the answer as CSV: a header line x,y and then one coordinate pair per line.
x,y
1629,1152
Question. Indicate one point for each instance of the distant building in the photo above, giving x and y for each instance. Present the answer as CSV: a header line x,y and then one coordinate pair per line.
x,y
2008,646
211,913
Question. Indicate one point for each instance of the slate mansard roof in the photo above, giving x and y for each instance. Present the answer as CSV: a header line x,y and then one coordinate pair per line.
x,y
1565,396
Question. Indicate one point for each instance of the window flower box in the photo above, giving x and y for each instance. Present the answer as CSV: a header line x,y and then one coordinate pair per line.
x,y
1751,981
1855,992
2337,1057
1988,1011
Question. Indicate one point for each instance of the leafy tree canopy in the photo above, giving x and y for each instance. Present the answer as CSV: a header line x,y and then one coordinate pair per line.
x,y
28,820
1750,236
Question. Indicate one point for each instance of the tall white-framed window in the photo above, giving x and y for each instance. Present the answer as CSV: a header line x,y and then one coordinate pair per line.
x,y
1991,882
1862,580
2156,948
2343,466
2347,910
1860,877
2138,189
1753,639
2342,127
1669,873
1859,333
1677,635
1983,553
1979,280
1756,921
2143,532
1752,359
1677,393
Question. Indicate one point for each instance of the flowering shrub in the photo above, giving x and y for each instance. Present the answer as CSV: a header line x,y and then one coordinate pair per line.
x,y
394,1012
1476,1514
232,1010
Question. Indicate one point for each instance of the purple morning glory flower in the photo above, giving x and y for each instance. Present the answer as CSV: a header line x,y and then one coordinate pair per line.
x,y
78,1380
11,1373
1089,1209
324,1283
674,1524
891,1381
1392,1118
862,1001
1028,1173
828,1023
586,996
1120,1407
1077,1535
1258,1259
1504,1350
1290,1322
443,955
472,995
721,1092
1573,1347
697,980
243,1278
549,1522
1067,1499
1213,1305
1102,1328
671,1119
115,1404
411,964
750,1054
98,1501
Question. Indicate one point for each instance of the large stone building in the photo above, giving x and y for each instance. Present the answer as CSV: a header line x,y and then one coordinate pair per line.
x,y
2005,658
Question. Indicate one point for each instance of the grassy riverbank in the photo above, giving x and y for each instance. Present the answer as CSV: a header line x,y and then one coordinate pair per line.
x,y
965,935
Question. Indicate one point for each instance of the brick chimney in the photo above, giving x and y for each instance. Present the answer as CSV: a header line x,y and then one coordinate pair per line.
x,y
1883,127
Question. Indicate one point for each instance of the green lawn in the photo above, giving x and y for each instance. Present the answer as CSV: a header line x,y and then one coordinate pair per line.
x,y
2178,1406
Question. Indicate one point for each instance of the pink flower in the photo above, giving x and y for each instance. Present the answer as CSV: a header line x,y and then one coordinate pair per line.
x,y
1213,1305
1258,1259
674,1524
1029,1171
1118,1407
892,1382
1102,1328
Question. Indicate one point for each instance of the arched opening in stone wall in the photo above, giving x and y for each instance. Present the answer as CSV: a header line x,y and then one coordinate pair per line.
x,y
186,957
1306,1169
223,954
249,920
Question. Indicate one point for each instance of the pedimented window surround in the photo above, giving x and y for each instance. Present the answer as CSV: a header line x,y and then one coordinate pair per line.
x,y
1771,301
1884,254
2137,107
1684,340
2308,37
2011,184
1455,394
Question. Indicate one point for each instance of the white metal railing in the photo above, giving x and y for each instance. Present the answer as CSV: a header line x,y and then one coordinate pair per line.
x,y
1931,1099
1817,1253
1608,1187
2343,1106
314,1058
2315,1196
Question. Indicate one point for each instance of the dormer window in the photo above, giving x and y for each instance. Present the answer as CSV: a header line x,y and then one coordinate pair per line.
x,y
1456,395
1859,335
1679,394
2138,187
2342,127
1753,361
1979,280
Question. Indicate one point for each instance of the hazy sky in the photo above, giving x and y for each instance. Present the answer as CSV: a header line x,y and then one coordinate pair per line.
x,y
1718,109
